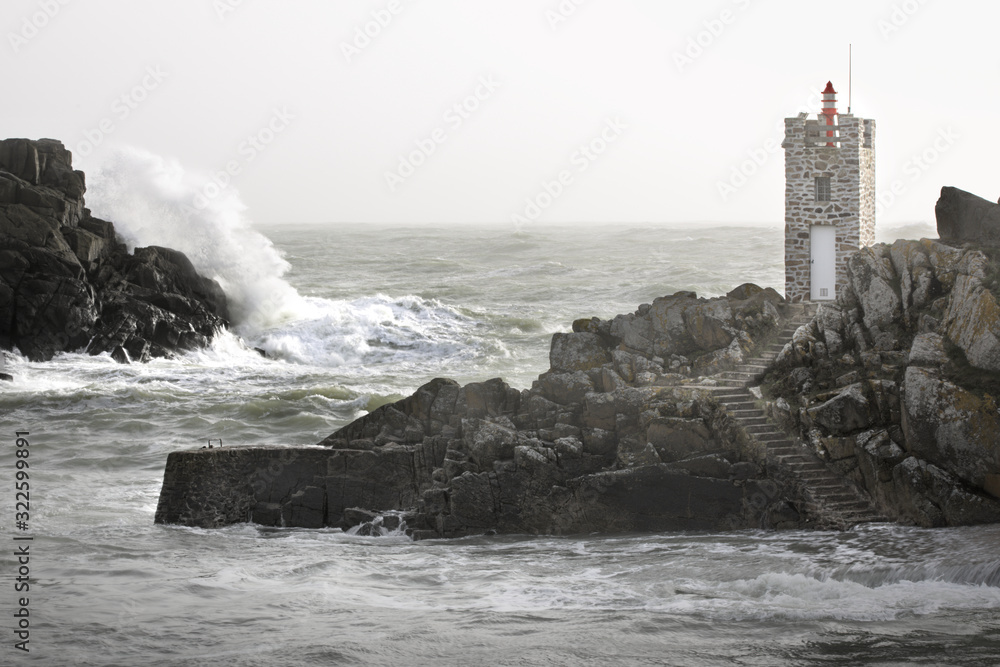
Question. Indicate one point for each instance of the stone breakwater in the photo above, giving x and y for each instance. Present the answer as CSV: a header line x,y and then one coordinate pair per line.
x,y
642,422
67,283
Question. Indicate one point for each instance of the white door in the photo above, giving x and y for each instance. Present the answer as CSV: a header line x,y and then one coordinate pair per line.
x,y
823,262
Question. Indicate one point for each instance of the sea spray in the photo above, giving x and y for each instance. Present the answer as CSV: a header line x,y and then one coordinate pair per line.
x,y
155,201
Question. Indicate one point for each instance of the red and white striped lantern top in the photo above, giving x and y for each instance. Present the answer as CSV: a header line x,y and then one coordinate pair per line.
x,y
829,106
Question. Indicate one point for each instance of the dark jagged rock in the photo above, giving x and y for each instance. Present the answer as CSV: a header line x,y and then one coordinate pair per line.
x,y
67,283
963,217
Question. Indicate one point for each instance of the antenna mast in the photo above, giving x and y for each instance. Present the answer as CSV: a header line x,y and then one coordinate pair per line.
x,y
850,75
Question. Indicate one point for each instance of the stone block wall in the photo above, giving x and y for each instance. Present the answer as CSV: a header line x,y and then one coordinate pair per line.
x,y
850,166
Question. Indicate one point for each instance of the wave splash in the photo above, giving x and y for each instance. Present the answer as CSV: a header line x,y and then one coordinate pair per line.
x,y
156,201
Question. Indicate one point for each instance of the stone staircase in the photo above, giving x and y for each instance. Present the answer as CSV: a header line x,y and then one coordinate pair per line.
x,y
831,500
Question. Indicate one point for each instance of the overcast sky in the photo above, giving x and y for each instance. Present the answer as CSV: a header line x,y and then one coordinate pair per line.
x,y
475,110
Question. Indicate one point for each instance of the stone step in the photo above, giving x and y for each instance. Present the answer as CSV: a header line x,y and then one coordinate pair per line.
x,y
746,412
833,499
798,454
866,517
777,439
842,508
803,469
830,487
842,499
811,475
839,503
824,480
806,462
862,509
751,421
797,461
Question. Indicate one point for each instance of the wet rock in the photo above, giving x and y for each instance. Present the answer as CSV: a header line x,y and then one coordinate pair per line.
x,y
577,352
928,496
951,427
964,217
564,388
872,277
67,284
487,441
846,412
927,350
677,325
973,317
676,438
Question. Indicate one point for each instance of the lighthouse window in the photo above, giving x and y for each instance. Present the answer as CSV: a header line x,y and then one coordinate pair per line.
x,y
822,188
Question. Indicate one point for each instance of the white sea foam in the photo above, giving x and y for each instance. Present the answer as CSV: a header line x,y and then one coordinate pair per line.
x,y
373,329
155,201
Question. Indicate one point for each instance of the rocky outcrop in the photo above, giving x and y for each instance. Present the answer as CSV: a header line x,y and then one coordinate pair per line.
x,y
614,437
962,217
893,386
895,383
68,284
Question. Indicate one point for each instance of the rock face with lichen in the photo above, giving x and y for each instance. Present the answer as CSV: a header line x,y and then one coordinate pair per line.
x,y
68,284
896,382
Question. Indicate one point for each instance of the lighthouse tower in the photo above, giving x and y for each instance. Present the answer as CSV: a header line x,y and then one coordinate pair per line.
x,y
829,198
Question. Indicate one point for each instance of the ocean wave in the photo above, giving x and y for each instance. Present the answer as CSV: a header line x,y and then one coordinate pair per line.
x,y
377,329
155,201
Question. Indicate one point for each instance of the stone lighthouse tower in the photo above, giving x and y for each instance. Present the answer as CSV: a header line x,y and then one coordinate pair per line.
x,y
829,198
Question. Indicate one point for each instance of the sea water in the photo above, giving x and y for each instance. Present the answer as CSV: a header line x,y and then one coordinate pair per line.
x,y
354,316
